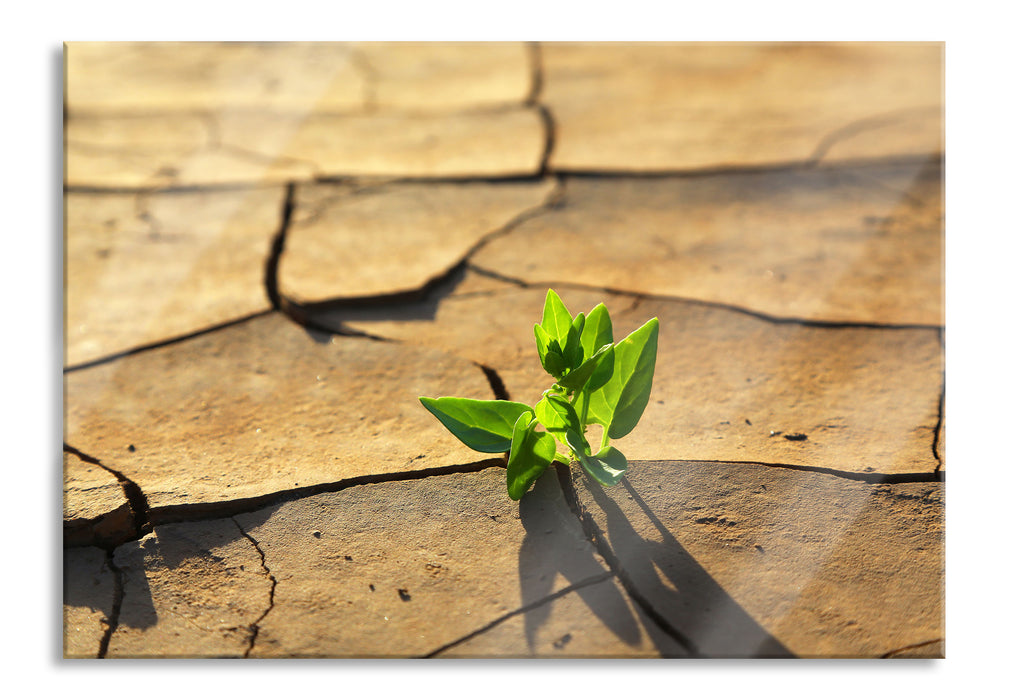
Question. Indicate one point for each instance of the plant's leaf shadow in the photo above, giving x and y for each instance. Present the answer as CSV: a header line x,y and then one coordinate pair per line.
x,y
678,588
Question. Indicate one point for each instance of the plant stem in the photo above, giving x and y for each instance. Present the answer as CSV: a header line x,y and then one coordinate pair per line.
x,y
585,413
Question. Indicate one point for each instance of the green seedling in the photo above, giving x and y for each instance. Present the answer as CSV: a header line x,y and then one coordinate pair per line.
x,y
596,381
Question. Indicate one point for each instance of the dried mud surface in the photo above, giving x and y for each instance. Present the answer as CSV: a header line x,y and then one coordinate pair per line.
x,y
274,249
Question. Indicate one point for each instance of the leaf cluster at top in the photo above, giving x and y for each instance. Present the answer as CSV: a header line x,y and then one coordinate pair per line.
x,y
596,381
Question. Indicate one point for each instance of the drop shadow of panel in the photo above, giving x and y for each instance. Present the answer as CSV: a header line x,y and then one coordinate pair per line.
x,y
555,545
679,589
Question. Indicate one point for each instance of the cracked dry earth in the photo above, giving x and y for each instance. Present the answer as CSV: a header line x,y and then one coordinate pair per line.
x,y
273,249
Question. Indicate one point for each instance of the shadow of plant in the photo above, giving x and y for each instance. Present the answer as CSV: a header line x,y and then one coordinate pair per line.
x,y
555,546
666,578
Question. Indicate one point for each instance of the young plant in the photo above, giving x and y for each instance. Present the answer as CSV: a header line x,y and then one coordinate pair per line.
x,y
595,382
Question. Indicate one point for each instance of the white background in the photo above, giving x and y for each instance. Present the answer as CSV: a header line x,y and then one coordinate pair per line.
x,y
31,279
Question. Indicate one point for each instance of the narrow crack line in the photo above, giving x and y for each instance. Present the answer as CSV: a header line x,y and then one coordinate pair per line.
x,y
167,341
277,249
112,622
367,70
535,50
139,507
490,274
355,187
591,581
496,383
858,126
549,138
216,187
553,199
594,534
639,297
81,188
891,654
938,426
436,287
254,626
162,515
865,477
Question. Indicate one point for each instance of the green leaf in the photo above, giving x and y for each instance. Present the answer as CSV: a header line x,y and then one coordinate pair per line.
x,y
549,417
598,330
530,455
607,467
556,317
575,379
485,426
573,352
554,364
602,373
542,343
619,403
577,442
558,414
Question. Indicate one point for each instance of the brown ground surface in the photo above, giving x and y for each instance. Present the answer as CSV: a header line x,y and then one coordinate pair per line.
x,y
273,249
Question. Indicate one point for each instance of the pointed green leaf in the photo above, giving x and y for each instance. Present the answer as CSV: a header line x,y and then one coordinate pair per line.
x,y
573,353
563,416
531,453
620,402
542,343
575,379
549,417
485,426
556,317
603,370
598,330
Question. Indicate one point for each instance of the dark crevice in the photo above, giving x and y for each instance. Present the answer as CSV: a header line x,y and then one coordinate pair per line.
x,y
166,189
639,297
901,650
112,622
591,581
431,292
162,343
549,139
594,534
496,384
536,71
139,509
856,127
162,515
277,248
254,626
941,414
865,477
588,173
728,170
490,274
534,100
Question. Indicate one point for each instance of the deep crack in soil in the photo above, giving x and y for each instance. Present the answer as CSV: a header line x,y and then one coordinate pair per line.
x,y
140,521
592,580
254,626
